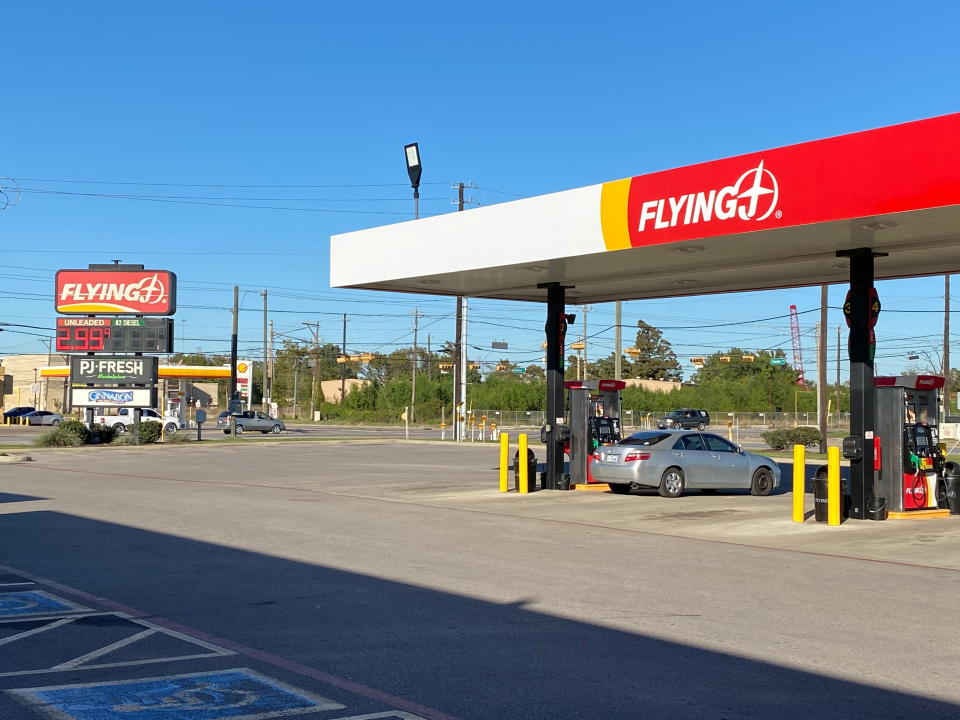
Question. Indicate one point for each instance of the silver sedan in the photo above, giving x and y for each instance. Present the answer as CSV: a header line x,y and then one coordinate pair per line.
x,y
676,460
44,417
251,420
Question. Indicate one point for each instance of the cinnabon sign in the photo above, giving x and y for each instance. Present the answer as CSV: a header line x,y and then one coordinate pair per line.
x,y
120,292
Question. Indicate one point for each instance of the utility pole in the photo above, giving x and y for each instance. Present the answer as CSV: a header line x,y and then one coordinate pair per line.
x,y
265,392
458,374
232,390
315,331
428,357
273,368
838,373
617,342
463,371
343,366
413,366
822,370
946,343
586,309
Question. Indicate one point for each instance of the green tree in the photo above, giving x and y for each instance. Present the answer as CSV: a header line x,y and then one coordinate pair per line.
x,y
655,358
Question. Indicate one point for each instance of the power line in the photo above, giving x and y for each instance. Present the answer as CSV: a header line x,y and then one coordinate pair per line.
x,y
215,185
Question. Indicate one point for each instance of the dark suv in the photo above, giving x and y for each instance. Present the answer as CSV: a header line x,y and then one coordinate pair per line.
x,y
687,419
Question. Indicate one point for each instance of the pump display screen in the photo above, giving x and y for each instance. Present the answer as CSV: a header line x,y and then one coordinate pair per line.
x,y
114,335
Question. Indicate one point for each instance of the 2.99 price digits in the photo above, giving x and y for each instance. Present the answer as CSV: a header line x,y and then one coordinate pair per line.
x,y
81,339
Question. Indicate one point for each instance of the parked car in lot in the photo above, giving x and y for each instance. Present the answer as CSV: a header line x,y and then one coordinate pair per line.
x,y
123,419
677,460
18,411
251,420
44,417
686,419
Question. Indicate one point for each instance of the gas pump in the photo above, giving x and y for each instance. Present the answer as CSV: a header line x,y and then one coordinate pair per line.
x,y
594,421
911,462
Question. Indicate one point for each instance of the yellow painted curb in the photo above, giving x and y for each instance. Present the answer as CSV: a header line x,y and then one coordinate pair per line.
x,y
595,487
918,514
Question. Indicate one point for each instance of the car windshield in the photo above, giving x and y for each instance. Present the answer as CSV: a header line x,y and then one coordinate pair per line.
x,y
646,437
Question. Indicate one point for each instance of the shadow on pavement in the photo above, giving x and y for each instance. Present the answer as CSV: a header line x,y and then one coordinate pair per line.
x,y
14,497
466,657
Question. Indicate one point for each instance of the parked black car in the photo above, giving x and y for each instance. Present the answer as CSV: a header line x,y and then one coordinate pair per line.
x,y
19,411
686,419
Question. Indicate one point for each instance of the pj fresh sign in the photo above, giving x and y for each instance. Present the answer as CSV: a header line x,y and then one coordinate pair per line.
x,y
113,370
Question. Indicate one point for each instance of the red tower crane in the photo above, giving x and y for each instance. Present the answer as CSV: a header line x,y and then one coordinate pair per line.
x,y
797,355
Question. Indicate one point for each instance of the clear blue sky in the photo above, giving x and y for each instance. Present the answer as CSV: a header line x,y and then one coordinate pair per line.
x,y
523,98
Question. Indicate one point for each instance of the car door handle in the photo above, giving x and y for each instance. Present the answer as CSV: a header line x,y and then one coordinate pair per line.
x,y
678,454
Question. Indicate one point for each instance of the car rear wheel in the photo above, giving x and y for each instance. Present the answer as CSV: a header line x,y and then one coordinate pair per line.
x,y
170,429
276,429
699,426
119,428
619,488
55,423
239,429
762,483
672,483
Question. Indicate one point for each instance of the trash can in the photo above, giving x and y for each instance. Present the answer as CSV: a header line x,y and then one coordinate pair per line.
x,y
951,478
531,470
820,495
876,508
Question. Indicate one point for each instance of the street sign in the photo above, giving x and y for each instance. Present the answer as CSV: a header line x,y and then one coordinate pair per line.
x,y
519,371
113,370
113,397
114,335
117,292
778,361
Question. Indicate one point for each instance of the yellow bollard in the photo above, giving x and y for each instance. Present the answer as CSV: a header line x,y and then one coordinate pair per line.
x,y
524,481
504,461
799,465
833,486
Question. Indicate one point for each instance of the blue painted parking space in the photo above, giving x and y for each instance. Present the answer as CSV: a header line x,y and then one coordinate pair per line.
x,y
235,694
26,603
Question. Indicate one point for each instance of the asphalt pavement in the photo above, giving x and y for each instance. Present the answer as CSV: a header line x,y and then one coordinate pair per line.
x,y
387,579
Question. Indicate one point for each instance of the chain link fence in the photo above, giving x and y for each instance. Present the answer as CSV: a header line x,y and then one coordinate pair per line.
x,y
646,419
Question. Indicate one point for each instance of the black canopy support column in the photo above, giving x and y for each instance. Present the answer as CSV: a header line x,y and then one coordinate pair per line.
x,y
555,329
863,413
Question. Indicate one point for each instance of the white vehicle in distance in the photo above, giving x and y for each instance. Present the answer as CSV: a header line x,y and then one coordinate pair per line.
x,y
123,420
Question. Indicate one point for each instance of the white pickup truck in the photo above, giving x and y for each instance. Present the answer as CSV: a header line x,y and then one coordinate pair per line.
x,y
123,420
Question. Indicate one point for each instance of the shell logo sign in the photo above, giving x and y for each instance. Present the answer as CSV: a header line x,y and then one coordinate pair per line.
x,y
242,367
116,292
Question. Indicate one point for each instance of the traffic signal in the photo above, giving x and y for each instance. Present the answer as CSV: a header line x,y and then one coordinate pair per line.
x,y
749,358
501,367
724,358
696,360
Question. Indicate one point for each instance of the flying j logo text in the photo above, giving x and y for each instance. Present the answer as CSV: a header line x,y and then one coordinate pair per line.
x,y
149,291
752,197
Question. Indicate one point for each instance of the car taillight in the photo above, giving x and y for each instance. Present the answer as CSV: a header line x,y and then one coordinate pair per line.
x,y
631,456
596,455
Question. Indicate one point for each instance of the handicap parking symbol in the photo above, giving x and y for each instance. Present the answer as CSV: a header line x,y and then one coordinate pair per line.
x,y
238,694
34,602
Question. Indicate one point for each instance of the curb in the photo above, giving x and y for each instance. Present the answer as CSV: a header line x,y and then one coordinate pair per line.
x,y
8,458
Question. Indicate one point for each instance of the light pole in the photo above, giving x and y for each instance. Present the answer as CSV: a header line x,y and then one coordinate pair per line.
x,y
414,170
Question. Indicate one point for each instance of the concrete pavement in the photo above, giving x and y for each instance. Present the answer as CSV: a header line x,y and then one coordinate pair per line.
x,y
399,567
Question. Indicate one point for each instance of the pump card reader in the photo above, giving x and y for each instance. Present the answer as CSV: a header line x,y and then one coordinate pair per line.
x,y
853,447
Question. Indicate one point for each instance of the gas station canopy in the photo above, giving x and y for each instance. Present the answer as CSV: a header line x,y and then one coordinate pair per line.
x,y
765,220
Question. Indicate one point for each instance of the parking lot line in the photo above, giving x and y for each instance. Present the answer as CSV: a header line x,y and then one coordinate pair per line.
x,y
410,710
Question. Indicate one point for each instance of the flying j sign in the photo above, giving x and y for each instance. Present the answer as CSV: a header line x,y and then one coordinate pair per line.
x,y
119,292
851,176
